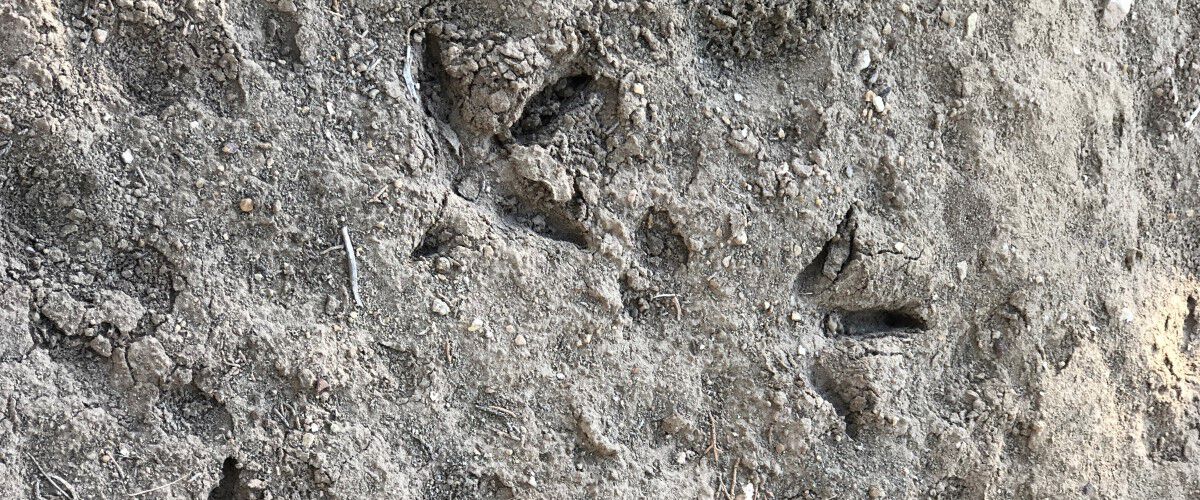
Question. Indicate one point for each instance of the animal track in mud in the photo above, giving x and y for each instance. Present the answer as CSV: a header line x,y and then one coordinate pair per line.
x,y
826,385
431,244
409,373
1191,326
196,413
559,223
875,323
662,254
662,247
748,30
280,33
831,260
230,487
1090,160
432,81
146,275
547,109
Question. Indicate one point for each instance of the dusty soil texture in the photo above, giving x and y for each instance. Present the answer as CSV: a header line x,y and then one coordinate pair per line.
x,y
729,249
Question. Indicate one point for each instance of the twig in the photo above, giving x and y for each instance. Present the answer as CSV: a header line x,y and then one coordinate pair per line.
x,y
409,82
712,446
674,303
353,266
54,480
500,410
156,488
378,198
1192,116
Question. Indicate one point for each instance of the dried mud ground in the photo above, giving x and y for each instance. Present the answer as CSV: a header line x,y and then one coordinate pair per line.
x,y
613,249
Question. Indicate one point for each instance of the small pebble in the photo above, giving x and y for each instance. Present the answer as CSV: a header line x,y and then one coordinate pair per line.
x,y
100,35
878,104
639,89
127,157
862,60
1115,12
972,23
246,205
476,325
740,238
947,17
440,307
519,341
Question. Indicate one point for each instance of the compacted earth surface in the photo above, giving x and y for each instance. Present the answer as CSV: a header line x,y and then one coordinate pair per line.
x,y
722,249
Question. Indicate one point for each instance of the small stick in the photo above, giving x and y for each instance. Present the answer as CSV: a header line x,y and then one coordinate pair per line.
x,y
53,479
378,198
712,423
1192,117
156,488
353,266
674,303
498,410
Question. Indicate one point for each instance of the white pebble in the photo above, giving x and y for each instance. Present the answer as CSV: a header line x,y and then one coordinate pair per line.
x,y
1115,12
878,103
476,325
862,60
100,35
127,156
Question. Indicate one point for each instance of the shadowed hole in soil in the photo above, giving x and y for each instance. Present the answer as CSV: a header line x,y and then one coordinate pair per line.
x,y
659,240
552,222
432,80
548,106
879,322
842,248
431,244
809,279
825,384
1190,324
230,487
